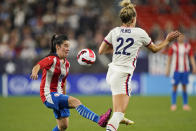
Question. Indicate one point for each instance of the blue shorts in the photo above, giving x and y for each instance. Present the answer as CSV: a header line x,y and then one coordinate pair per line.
x,y
59,104
180,77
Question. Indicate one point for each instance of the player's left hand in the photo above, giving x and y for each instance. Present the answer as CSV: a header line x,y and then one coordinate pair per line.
x,y
172,35
34,76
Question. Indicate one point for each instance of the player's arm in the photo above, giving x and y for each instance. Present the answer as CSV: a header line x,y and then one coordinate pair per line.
x,y
43,64
192,60
105,48
170,37
35,70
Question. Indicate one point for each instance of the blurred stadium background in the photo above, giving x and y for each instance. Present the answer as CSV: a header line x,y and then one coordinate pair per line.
x,y
26,27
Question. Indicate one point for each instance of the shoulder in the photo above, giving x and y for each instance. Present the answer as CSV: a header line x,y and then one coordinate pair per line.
x,y
140,31
187,45
50,57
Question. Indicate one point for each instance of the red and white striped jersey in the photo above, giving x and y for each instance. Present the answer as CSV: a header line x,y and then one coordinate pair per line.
x,y
180,57
54,74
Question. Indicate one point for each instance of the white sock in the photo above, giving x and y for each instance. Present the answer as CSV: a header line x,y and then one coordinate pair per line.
x,y
113,123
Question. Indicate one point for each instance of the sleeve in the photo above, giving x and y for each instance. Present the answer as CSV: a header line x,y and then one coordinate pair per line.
x,y
190,51
46,63
170,51
145,39
108,38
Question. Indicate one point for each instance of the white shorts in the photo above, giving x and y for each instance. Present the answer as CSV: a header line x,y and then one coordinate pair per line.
x,y
119,82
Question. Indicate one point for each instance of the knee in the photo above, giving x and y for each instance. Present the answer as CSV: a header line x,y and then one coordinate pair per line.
x,y
184,88
77,102
63,127
74,102
175,88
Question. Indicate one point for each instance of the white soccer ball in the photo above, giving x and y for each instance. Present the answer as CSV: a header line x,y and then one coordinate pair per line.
x,y
86,57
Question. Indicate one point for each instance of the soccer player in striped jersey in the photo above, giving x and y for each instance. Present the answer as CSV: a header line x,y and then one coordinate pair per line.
x,y
178,59
52,89
124,42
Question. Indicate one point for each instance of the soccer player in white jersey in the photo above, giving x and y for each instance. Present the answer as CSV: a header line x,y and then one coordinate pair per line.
x,y
178,59
53,84
124,42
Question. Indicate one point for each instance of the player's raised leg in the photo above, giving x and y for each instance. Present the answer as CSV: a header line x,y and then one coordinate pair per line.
x,y
87,113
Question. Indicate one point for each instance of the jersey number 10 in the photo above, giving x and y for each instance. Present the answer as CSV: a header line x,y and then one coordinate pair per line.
x,y
130,42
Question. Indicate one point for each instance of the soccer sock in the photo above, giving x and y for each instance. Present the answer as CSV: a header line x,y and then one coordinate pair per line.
x,y
56,129
86,113
173,98
185,97
113,123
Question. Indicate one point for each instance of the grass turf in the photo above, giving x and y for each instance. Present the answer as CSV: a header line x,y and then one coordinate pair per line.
x,y
149,114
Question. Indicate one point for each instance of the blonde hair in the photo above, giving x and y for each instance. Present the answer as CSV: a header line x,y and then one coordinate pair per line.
x,y
128,12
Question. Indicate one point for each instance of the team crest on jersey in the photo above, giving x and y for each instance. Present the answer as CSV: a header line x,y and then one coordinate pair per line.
x,y
56,94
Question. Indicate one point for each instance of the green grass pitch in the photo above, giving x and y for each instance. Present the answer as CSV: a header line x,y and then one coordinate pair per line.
x,y
149,114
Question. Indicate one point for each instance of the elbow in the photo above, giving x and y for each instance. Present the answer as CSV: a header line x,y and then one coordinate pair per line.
x,y
155,50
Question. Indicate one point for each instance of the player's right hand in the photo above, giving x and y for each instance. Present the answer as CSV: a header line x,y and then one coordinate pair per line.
x,y
34,76
172,35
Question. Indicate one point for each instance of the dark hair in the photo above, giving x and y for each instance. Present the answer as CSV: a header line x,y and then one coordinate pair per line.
x,y
57,40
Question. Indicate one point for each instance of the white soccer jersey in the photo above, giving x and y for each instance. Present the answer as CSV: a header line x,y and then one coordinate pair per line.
x,y
126,43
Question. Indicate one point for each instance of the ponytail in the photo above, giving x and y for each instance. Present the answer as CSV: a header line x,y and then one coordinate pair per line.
x,y
53,45
128,11
125,3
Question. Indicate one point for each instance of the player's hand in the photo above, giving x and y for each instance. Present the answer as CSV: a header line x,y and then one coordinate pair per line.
x,y
34,76
172,35
35,71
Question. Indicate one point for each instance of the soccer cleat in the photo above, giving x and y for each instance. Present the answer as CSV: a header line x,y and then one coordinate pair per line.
x,y
173,107
127,121
186,108
104,118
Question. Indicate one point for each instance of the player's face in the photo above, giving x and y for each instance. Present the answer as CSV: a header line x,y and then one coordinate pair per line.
x,y
63,49
181,39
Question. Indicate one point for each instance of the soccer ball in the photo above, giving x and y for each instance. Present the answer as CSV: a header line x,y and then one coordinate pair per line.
x,y
86,57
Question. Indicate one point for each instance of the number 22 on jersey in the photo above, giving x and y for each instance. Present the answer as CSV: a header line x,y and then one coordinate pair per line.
x,y
129,42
